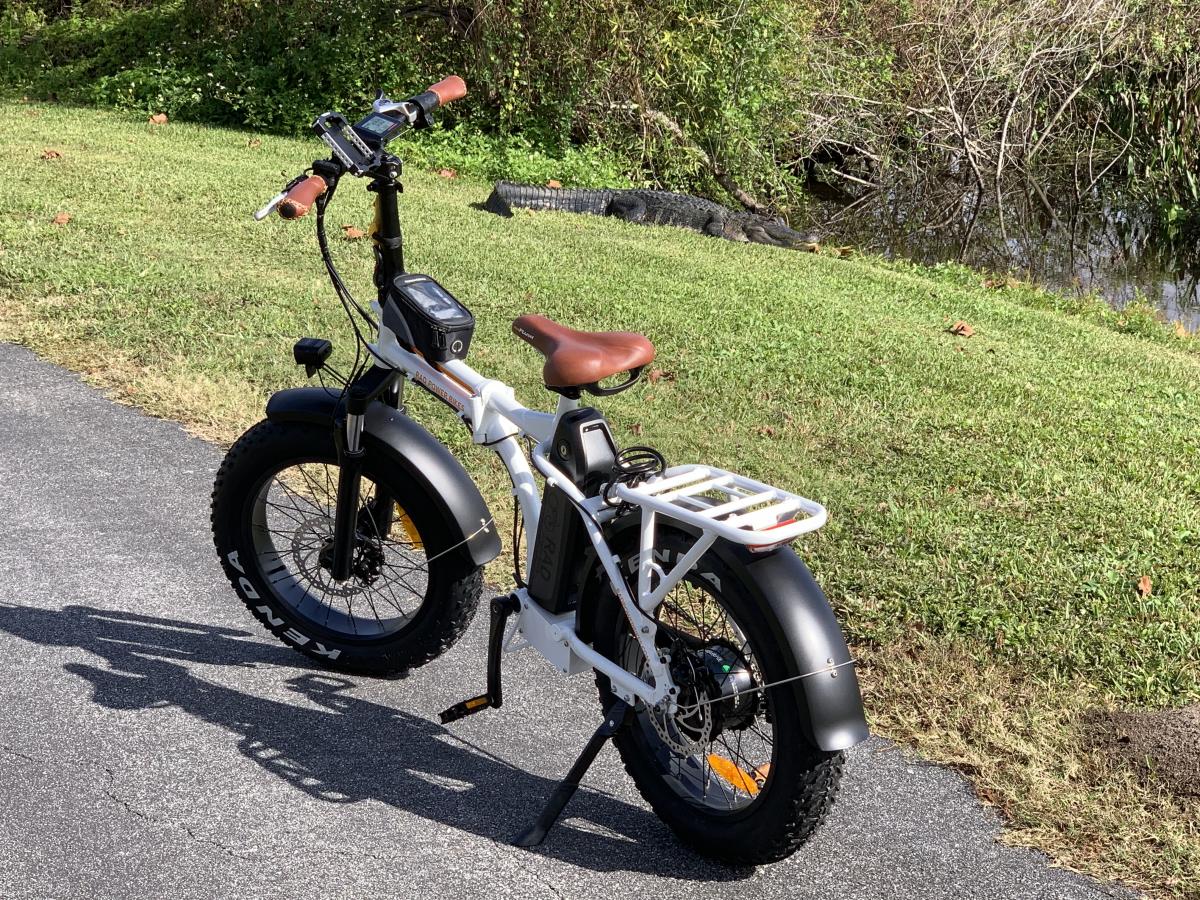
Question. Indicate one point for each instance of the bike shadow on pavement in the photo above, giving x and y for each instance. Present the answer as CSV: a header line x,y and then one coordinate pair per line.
x,y
341,748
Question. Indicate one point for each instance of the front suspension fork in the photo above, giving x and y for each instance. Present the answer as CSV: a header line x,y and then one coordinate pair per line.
x,y
377,383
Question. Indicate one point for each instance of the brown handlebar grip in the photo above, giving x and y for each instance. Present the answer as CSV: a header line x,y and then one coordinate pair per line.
x,y
448,90
299,200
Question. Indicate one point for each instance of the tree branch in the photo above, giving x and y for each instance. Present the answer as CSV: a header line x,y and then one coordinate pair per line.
x,y
719,174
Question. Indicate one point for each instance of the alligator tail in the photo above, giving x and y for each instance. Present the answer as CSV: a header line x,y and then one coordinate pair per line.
x,y
507,196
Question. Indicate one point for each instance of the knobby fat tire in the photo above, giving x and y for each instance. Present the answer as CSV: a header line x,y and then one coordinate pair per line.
x,y
454,588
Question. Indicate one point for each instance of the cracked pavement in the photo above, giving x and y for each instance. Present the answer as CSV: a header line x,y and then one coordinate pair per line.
x,y
155,742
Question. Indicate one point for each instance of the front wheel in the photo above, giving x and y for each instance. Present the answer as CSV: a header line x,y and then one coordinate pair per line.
x,y
731,770
272,516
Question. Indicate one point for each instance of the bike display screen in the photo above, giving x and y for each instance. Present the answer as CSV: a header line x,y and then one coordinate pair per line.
x,y
433,300
378,128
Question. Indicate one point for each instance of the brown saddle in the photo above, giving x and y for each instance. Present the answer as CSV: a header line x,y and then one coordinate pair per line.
x,y
580,360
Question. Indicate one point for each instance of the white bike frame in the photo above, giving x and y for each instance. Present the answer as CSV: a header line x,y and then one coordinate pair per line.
x,y
720,504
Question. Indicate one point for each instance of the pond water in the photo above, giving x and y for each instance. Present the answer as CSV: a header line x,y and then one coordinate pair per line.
x,y
1111,243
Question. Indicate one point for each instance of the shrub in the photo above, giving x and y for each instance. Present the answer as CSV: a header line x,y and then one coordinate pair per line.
x,y
741,101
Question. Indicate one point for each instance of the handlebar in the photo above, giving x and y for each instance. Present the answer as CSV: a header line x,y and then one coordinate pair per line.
x,y
360,147
446,91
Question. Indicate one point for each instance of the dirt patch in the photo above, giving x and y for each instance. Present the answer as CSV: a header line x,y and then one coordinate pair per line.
x,y
1164,743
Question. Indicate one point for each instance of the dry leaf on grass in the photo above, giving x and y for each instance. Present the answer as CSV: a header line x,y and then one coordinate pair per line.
x,y
988,796
554,183
353,232
1000,283
1144,586
61,219
158,119
656,375
448,173
961,328
50,153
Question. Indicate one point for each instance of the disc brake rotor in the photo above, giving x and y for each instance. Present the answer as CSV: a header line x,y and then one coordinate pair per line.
x,y
313,565
687,731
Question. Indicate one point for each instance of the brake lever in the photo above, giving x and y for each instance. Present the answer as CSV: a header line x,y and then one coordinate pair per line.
x,y
271,206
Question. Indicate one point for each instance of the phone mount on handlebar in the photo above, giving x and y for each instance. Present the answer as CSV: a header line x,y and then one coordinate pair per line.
x,y
345,142
360,147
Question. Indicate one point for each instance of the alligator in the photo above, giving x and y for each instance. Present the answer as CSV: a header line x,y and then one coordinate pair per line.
x,y
651,208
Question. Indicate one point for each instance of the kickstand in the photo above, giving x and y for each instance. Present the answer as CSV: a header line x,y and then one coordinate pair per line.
x,y
614,718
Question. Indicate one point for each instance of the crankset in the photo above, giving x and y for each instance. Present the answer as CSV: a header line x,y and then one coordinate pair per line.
x,y
614,720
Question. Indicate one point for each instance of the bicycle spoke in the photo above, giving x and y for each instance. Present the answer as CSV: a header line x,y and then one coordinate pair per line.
x,y
695,736
293,529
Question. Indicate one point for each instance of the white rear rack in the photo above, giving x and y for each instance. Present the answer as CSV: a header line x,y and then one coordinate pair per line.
x,y
734,507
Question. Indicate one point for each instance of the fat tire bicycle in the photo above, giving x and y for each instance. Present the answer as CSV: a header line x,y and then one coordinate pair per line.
x,y
356,537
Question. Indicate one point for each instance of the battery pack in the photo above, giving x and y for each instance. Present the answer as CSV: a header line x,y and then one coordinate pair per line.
x,y
584,451
557,549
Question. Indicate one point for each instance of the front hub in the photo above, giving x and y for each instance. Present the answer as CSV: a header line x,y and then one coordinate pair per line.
x,y
368,560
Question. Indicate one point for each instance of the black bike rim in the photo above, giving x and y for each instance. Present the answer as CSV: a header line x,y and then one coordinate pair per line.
x,y
291,527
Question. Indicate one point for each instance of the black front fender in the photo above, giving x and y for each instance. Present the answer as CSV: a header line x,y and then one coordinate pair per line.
x,y
415,452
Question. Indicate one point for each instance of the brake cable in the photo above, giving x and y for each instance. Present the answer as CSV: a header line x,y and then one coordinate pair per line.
x,y
338,284
345,297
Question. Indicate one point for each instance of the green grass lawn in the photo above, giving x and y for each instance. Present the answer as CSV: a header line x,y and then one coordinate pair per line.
x,y
993,500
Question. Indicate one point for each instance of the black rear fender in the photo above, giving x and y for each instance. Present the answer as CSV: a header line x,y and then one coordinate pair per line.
x,y
782,585
417,454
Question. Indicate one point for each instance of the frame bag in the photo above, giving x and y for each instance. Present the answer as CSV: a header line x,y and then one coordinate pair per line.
x,y
426,317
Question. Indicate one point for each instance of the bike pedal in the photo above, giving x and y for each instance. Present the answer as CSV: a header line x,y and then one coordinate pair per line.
x,y
468,707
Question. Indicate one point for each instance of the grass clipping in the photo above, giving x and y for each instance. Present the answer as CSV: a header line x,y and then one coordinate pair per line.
x,y
1032,751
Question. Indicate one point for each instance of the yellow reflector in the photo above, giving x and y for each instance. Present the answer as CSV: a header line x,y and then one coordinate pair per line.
x,y
735,776
410,530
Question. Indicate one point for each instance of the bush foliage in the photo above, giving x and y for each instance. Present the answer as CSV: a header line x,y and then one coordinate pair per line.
x,y
698,94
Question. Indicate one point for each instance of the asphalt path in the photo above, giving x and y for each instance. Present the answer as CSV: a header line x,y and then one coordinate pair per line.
x,y
155,743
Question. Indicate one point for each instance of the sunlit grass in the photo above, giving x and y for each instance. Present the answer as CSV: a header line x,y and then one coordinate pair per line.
x,y
998,495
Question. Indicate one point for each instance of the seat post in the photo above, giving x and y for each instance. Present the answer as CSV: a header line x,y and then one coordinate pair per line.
x,y
565,405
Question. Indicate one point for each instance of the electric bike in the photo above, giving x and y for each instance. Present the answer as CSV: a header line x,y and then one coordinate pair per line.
x,y
356,537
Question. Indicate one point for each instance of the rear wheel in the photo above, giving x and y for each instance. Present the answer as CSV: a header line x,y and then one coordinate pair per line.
x,y
405,601
731,770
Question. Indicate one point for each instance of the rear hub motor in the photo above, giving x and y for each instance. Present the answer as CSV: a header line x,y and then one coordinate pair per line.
x,y
724,678
716,694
